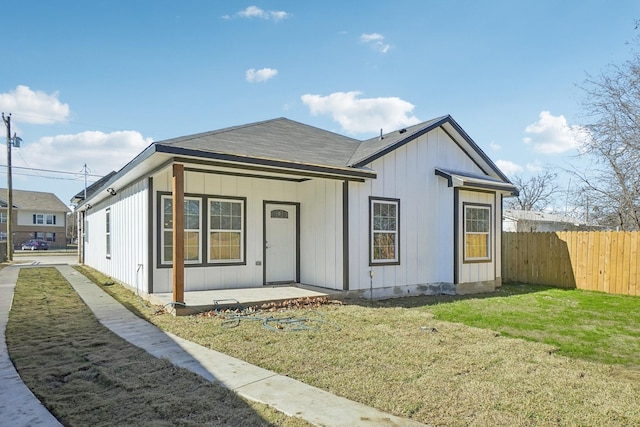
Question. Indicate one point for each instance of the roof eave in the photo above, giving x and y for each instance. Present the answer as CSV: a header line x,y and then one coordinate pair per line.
x,y
458,180
348,173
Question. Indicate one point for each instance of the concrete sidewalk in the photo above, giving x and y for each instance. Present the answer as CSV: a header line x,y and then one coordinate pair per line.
x,y
285,394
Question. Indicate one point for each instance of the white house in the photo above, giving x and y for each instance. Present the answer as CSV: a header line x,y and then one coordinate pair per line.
x,y
535,221
415,211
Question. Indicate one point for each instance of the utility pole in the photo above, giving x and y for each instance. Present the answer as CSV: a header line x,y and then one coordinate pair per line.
x,y
7,122
85,182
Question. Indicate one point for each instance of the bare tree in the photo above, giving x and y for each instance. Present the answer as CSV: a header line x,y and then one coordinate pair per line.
x,y
536,193
611,185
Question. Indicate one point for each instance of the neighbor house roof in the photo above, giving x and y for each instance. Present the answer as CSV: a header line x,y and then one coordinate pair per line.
x,y
34,201
521,215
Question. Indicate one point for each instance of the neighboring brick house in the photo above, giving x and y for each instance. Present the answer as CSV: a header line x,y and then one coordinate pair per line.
x,y
36,215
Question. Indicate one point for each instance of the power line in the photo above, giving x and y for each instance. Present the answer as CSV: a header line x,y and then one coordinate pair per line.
x,y
78,178
51,171
54,120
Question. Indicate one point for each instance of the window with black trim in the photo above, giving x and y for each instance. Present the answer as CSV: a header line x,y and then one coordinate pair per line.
x,y
192,226
108,231
384,218
477,232
226,230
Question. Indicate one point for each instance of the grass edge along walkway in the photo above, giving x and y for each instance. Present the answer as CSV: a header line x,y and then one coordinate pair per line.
x,y
86,375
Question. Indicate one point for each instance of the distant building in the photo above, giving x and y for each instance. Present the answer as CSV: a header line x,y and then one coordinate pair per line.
x,y
533,221
36,215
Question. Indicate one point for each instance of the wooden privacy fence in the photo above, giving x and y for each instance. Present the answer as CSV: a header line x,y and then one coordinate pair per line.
x,y
605,261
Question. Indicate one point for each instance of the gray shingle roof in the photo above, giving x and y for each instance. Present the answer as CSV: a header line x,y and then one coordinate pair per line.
x,y
284,143
371,147
278,139
34,201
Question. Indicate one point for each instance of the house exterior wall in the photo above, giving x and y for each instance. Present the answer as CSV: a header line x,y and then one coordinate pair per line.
x,y
426,218
321,261
320,214
129,236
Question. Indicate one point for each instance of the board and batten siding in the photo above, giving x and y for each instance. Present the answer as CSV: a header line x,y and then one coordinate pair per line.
x,y
320,214
426,213
321,262
128,262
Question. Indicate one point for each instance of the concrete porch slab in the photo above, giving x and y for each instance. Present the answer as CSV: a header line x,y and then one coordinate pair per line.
x,y
201,301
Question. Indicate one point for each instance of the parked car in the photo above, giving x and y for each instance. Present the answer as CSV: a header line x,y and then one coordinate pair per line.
x,y
35,245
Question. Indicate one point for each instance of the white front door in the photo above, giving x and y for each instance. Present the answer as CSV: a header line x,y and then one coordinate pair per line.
x,y
280,243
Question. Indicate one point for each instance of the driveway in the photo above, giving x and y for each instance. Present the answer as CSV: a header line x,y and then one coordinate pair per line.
x,y
44,258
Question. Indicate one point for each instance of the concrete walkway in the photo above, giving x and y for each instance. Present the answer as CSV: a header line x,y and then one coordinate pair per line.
x,y
285,394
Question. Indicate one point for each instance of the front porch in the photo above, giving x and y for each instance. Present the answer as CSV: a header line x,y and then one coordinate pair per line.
x,y
202,301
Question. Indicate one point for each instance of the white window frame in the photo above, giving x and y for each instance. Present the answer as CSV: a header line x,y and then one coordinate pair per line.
x,y
228,224
472,228
50,219
3,217
168,227
385,225
38,219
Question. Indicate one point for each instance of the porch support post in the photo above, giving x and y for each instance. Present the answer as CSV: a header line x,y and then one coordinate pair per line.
x,y
178,232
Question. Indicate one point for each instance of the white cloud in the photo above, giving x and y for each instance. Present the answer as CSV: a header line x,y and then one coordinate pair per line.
x,y
364,115
494,146
534,167
553,135
261,75
36,107
508,167
255,12
377,41
102,152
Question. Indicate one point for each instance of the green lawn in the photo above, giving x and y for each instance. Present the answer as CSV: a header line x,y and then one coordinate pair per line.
x,y
431,359
587,325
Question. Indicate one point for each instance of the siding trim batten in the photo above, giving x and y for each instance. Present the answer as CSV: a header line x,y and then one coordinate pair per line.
x,y
345,235
456,228
150,245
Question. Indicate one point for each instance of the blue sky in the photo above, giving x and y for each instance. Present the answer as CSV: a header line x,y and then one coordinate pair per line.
x,y
94,82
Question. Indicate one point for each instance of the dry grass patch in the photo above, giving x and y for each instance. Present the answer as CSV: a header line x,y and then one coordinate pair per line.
x,y
402,360
86,375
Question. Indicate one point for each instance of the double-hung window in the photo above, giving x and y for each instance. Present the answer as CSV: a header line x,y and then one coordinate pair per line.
x,y
477,233
108,231
384,219
226,230
192,223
